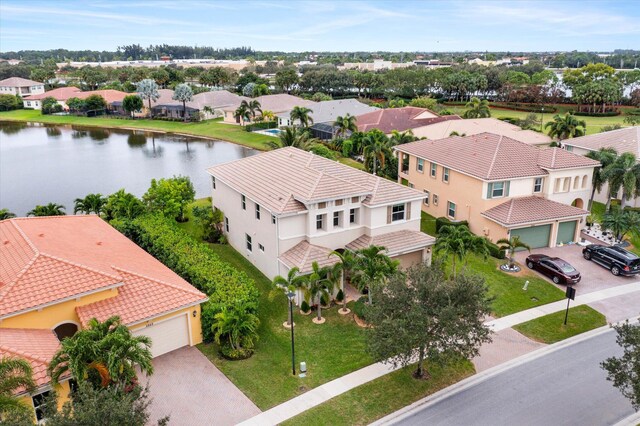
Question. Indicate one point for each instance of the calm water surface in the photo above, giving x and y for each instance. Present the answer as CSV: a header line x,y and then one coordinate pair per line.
x,y
41,164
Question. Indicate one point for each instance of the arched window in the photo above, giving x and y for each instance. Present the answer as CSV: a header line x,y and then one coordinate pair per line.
x,y
576,182
567,184
585,178
558,185
66,329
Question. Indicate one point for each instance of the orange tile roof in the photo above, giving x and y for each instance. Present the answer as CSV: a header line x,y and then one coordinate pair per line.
x,y
109,95
60,94
522,210
45,260
400,119
36,346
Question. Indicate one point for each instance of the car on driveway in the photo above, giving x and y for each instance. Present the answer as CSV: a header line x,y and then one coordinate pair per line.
x,y
560,271
618,260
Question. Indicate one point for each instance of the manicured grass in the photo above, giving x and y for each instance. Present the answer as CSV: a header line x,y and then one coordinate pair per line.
x,y
351,162
215,129
428,224
373,400
330,350
550,328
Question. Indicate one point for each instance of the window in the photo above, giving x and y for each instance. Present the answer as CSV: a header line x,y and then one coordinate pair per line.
x,y
445,174
339,202
337,219
261,247
322,205
498,189
584,181
397,212
355,199
537,185
426,197
569,148
451,210
434,169
353,216
226,224
405,163
420,165
244,203
320,221
558,184
258,211
410,185
576,182
273,219
213,181
249,243
28,103
435,199
39,404
566,185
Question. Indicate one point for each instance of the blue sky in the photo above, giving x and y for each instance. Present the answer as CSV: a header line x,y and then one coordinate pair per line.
x,y
297,25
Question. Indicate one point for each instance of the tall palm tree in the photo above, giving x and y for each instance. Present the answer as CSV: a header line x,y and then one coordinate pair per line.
x,y
317,287
512,244
301,114
15,375
458,242
345,124
295,137
293,282
238,325
399,138
253,106
566,126
624,174
622,222
6,214
373,268
242,113
123,204
104,353
51,209
376,150
606,157
477,108
92,203
347,263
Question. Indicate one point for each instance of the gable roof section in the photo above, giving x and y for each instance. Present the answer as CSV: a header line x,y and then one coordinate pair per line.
x,y
19,82
328,111
59,94
395,243
400,119
285,179
303,254
622,140
109,95
492,157
523,210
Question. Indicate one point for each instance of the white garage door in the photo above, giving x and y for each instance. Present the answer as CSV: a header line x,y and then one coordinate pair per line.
x,y
167,335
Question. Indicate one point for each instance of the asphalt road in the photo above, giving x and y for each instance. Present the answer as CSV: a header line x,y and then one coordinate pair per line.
x,y
565,387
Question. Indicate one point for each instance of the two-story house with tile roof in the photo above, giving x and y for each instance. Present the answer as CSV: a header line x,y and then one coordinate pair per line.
x,y
57,273
20,87
501,186
288,208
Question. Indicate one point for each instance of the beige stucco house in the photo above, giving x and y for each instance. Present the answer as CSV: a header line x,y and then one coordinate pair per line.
x,y
622,140
277,104
20,86
501,186
288,208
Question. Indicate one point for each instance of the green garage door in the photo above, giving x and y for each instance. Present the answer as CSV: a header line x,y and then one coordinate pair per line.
x,y
534,236
566,232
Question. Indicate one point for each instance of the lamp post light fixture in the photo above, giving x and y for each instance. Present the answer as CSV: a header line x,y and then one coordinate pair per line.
x,y
291,295
541,118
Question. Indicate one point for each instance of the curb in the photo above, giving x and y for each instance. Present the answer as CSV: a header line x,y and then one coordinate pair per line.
x,y
632,420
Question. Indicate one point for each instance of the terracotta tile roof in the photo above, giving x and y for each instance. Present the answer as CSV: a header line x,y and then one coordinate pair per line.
x,y
494,157
109,95
399,119
47,259
517,211
396,242
19,82
284,179
303,254
59,94
37,346
622,140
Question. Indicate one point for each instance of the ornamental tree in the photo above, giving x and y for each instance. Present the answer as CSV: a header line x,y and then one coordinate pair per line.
x,y
170,196
624,371
132,103
184,94
148,89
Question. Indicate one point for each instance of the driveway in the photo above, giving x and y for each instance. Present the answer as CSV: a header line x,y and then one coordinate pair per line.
x,y
188,387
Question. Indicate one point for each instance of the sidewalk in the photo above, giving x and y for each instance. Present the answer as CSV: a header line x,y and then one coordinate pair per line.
x,y
331,389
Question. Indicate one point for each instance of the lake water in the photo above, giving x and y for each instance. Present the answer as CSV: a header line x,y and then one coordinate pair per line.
x,y
40,164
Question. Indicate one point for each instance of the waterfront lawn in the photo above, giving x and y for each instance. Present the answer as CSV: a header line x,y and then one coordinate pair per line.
x,y
330,350
373,400
551,329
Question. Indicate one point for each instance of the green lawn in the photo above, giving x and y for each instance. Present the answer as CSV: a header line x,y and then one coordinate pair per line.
x,y
373,400
428,224
550,328
330,350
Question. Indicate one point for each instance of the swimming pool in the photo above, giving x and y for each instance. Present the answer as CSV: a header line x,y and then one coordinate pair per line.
x,y
269,132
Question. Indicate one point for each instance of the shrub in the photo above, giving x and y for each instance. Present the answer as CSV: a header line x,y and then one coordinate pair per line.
x,y
360,308
261,126
495,251
319,97
235,354
8,102
50,105
324,300
443,221
597,114
634,111
304,306
340,296
323,151
195,262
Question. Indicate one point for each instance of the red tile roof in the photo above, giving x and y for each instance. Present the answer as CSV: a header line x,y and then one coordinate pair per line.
x,y
494,157
399,119
519,211
109,95
45,260
59,94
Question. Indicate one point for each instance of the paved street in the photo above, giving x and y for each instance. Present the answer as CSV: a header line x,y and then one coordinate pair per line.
x,y
565,387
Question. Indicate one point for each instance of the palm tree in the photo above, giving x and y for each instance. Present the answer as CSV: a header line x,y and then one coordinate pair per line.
x,y
253,106
104,353
92,203
624,174
301,114
295,137
512,244
242,113
565,127
6,214
344,124
15,375
621,223
123,204
347,263
606,157
373,268
457,242
376,150
477,108
399,138
292,283
317,288
238,325
51,209
268,115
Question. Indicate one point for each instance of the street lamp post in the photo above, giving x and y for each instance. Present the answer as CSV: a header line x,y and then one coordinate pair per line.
x,y
291,295
541,117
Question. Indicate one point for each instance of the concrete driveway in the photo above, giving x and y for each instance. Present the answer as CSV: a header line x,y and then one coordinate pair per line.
x,y
188,387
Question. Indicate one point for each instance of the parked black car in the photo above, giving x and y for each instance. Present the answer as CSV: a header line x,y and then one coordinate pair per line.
x,y
618,260
560,271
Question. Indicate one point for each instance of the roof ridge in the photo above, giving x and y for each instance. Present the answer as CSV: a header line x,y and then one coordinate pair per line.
x,y
24,354
510,209
307,252
495,156
80,265
195,291
36,254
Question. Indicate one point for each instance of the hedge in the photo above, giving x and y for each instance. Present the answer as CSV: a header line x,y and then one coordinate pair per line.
x,y
635,111
443,221
597,114
495,251
195,262
526,107
261,126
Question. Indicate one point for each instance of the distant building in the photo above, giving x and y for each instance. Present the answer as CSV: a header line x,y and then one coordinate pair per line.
x,y
376,65
62,94
20,86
